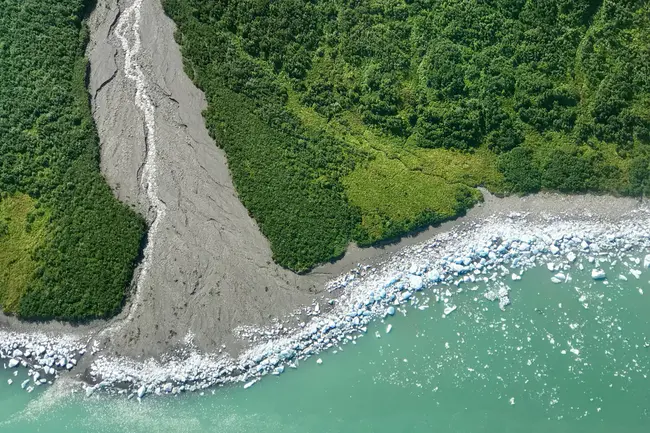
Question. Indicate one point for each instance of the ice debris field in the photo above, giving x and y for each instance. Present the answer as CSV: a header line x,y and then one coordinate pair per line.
x,y
493,252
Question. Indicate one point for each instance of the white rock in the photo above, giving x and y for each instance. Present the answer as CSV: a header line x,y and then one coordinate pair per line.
x,y
142,391
13,363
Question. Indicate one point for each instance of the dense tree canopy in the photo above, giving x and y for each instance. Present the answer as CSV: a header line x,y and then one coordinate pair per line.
x,y
551,94
73,245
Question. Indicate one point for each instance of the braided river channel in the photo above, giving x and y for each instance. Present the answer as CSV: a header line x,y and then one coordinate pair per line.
x,y
569,357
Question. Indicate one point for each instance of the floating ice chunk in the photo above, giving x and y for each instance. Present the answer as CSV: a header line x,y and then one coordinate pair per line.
x,y
512,400
571,256
142,391
646,261
415,282
558,278
249,384
9,381
433,276
491,295
405,296
641,291
636,273
598,274
622,277
319,361
449,309
13,363
554,250
389,328
550,266
516,277
390,311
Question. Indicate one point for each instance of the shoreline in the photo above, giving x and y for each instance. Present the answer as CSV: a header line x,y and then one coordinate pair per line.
x,y
498,247
507,237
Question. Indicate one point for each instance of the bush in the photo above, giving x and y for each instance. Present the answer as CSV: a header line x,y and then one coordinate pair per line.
x,y
567,171
519,170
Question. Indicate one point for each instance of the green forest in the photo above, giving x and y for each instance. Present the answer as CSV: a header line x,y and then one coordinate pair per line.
x,y
67,246
361,120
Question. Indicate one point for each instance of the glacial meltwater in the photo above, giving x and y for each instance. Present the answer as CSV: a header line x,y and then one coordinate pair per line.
x,y
568,357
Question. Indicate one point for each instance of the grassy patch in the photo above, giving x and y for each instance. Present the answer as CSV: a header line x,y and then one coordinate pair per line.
x,y
395,199
22,231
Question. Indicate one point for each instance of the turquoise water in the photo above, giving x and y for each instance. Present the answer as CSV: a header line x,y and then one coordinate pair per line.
x,y
478,370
